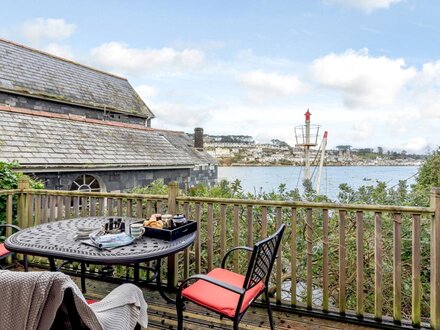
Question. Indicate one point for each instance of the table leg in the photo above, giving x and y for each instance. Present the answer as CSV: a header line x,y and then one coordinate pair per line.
x,y
136,274
53,267
158,283
83,278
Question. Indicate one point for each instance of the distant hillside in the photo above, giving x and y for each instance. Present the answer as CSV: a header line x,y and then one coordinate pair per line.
x,y
242,150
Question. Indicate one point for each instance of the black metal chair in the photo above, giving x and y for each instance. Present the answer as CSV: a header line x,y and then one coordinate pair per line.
x,y
230,294
4,253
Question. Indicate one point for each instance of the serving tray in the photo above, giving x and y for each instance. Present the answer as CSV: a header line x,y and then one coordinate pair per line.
x,y
171,234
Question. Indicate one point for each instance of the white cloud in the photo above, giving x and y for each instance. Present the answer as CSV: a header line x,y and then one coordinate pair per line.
x,y
271,83
146,92
417,144
64,51
365,5
120,57
428,102
426,90
43,29
182,116
363,80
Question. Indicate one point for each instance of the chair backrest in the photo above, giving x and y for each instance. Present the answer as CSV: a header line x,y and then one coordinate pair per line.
x,y
263,258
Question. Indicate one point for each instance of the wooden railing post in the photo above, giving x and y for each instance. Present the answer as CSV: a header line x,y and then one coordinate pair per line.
x,y
22,212
435,259
173,191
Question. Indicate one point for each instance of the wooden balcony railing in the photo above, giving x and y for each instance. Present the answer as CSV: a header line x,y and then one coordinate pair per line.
x,y
376,264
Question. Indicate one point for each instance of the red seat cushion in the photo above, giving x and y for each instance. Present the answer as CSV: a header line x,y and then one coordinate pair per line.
x,y
91,301
219,299
3,250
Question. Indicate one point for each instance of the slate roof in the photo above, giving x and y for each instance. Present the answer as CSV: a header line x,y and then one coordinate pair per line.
x,y
47,140
31,72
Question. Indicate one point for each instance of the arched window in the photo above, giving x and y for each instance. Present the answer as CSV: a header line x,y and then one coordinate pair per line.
x,y
86,182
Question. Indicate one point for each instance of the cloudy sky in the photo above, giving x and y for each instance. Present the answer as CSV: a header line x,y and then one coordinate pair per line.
x,y
368,70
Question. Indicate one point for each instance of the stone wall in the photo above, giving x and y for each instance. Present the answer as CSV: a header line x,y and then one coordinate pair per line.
x,y
124,180
26,102
203,174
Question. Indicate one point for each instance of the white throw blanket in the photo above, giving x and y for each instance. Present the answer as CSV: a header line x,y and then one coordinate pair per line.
x,y
31,300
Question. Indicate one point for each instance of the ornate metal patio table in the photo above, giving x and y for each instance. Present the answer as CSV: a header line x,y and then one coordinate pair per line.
x,y
55,240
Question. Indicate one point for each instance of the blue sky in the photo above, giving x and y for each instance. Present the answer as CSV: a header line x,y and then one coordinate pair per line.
x,y
368,70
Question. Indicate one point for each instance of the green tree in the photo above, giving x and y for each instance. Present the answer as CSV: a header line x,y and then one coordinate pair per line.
x,y
9,177
429,174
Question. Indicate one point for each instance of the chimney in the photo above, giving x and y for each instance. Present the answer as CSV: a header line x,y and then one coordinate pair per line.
x,y
198,138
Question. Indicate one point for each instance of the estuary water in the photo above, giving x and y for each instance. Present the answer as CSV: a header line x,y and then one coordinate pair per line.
x,y
269,178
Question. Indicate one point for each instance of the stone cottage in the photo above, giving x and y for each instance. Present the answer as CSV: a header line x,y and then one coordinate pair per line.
x,y
78,128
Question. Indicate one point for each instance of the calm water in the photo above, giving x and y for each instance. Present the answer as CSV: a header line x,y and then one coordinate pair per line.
x,y
269,178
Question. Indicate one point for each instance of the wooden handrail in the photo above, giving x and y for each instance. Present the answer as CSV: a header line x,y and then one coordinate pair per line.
x,y
9,191
236,201
312,205
91,194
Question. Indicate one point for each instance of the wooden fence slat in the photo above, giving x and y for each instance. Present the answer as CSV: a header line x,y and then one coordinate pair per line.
x,y
342,262
293,261
197,250
222,230
397,268
9,216
67,204
110,207
158,206
9,204
186,251
76,206
43,208
30,209
263,221
21,214
129,208
101,206
148,210
51,208
60,207
325,264
37,210
416,314
209,239
378,299
119,207
93,206
359,264
139,208
279,265
309,243
84,208
236,235
250,225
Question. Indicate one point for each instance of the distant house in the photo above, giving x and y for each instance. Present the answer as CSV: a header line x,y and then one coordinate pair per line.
x,y
78,128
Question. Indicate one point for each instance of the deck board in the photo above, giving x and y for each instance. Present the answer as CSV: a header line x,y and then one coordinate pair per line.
x,y
163,316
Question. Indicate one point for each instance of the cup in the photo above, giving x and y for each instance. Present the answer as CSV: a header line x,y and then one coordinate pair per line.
x,y
137,230
166,219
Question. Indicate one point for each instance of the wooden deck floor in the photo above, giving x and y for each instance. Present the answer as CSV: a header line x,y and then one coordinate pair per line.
x,y
163,316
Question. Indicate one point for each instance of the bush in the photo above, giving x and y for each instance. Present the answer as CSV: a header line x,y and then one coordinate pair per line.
x,y
9,180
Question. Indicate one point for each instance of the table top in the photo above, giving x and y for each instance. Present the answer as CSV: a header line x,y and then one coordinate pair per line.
x,y
56,239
